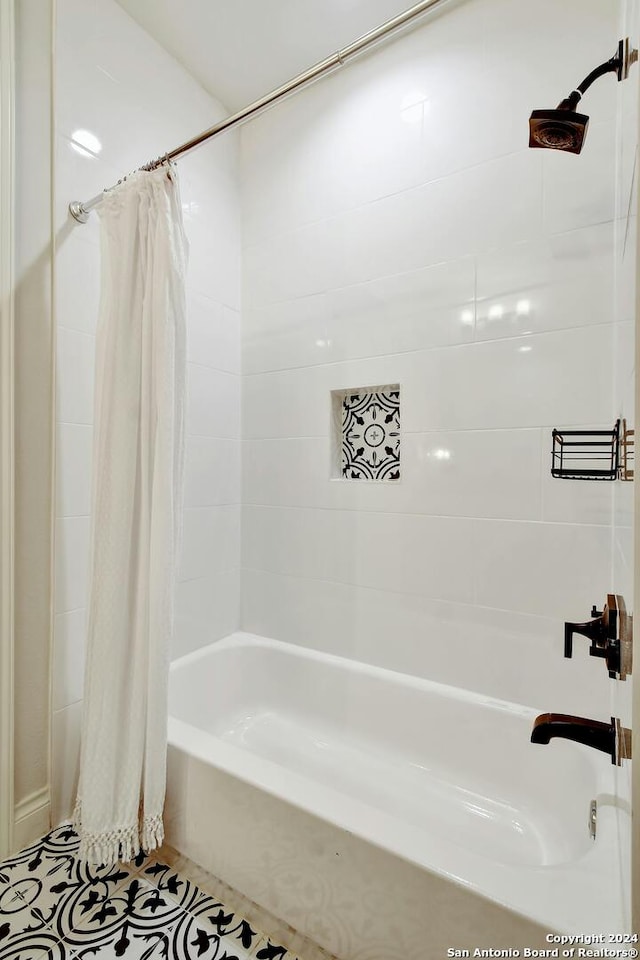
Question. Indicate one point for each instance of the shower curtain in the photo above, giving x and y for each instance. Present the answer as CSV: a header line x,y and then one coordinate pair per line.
x,y
136,509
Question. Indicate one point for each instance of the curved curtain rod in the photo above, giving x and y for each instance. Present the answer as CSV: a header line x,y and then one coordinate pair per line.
x,y
80,210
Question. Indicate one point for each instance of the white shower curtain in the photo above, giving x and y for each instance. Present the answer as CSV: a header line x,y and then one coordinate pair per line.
x,y
137,485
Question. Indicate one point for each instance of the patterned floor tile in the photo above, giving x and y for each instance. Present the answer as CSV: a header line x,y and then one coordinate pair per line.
x,y
266,950
141,923
170,883
32,883
41,945
133,914
218,923
191,940
234,931
52,907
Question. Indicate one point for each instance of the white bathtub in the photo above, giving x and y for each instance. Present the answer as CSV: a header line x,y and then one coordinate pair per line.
x,y
444,779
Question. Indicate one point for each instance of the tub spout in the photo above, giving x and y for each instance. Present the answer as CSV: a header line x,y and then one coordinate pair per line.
x,y
611,738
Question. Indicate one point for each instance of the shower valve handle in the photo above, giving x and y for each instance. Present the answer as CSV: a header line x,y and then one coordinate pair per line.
x,y
602,631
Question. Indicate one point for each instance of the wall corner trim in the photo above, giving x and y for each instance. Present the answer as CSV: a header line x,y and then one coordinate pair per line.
x,y
32,818
7,166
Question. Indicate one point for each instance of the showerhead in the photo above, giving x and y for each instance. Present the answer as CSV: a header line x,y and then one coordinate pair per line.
x,y
558,130
563,128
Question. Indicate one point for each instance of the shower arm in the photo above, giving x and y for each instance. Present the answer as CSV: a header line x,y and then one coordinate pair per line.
x,y
615,65
80,210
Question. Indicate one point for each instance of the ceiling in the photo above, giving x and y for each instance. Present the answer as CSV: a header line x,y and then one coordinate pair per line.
x,y
242,49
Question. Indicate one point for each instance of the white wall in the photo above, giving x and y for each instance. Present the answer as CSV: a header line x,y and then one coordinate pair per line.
x,y
116,82
396,228
33,416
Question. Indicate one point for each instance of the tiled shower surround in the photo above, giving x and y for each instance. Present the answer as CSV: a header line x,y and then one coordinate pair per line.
x,y
52,907
395,230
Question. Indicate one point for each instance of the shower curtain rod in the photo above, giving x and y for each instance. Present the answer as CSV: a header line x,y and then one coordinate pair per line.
x,y
81,210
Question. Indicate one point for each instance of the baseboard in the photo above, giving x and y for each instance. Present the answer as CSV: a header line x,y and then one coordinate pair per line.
x,y
32,818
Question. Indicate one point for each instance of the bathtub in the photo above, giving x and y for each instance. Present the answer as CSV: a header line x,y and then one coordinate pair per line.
x,y
316,785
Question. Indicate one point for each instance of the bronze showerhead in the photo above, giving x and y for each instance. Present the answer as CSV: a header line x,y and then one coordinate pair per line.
x,y
558,130
563,128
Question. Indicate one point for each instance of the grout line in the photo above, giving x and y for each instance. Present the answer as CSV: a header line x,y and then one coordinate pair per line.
x,y
440,431
212,506
188,436
210,576
213,576
470,605
208,366
468,344
410,189
358,510
206,436
84,333
75,423
62,613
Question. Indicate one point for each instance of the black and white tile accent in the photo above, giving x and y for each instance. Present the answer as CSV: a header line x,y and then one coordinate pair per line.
x,y
54,908
371,434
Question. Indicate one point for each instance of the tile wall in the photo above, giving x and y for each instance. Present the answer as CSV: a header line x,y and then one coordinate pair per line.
x,y
397,229
116,83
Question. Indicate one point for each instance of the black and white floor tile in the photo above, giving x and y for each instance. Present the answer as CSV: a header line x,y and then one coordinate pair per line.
x,y
52,907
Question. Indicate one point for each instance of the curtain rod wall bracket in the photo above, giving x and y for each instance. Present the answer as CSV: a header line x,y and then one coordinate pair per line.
x,y
78,212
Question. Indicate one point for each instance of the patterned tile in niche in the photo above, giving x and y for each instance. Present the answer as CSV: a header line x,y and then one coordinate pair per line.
x,y
371,435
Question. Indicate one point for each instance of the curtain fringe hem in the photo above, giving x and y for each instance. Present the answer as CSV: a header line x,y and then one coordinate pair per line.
x,y
122,844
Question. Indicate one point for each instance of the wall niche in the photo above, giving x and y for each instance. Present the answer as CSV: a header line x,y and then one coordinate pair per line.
x,y
366,433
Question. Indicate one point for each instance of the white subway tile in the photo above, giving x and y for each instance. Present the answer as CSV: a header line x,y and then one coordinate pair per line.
x,y
548,569
558,378
560,281
69,643
212,472
78,282
489,473
288,334
505,654
75,376
213,403
73,469
214,254
213,334
71,563
207,609
483,473
65,760
468,212
210,541
428,556
582,192
623,566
